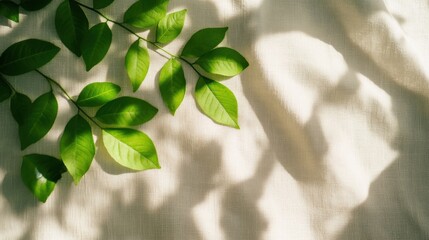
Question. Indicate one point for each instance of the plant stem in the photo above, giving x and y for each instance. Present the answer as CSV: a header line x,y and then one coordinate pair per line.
x,y
80,110
10,85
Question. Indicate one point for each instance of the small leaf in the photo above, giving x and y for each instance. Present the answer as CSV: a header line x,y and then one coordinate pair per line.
x,y
20,106
34,5
97,94
223,61
145,14
96,44
10,10
131,148
77,147
137,63
203,41
170,26
71,25
172,84
217,102
5,90
40,173
26,56
98,4
126,111
39,120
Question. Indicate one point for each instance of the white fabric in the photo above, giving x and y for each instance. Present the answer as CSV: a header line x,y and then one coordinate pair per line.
x,y
333,141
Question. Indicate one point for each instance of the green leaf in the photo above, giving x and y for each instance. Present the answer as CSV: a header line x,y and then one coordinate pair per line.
x,y
34,5
170,26
39,120
131,148
137,63
10,10
172,84
217,102
71,25
203,41
26,56
126,111
40,173
20,105
77,147
97,94
223,61
145,14
5,90
96,44
98,4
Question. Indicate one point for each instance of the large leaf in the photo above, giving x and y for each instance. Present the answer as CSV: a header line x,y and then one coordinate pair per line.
x,y
98,4
5,90
39,119
203,41
9,10
137,63
20,106
172,84
126,111
97,94
131,148
40,173
26,56
223,61
144,14
170,26
77,147
34,5
71,25
96,44
217,102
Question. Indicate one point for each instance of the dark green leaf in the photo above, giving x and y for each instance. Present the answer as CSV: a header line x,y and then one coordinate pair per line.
x,y
126,111
34,5
172,84
145,14
98,4
97,94
203,41
77,147
71,25
223,61
40,173
131,148
20,105
26,56
5,90
217,102
39,119
9,10
96,44
170,26
137,63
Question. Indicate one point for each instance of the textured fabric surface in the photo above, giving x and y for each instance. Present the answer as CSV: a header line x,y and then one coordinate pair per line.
x,y
333,141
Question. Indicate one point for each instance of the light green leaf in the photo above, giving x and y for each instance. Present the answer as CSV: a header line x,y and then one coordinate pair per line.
x,y
5,90
137,63
145,14
40,173
98,4
126,111
170,26
34,5
223,61
217,102
96,44
10,10
20,106
39,120
77,147
203,41
97,94
26,56
131,148
71,25
172,84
